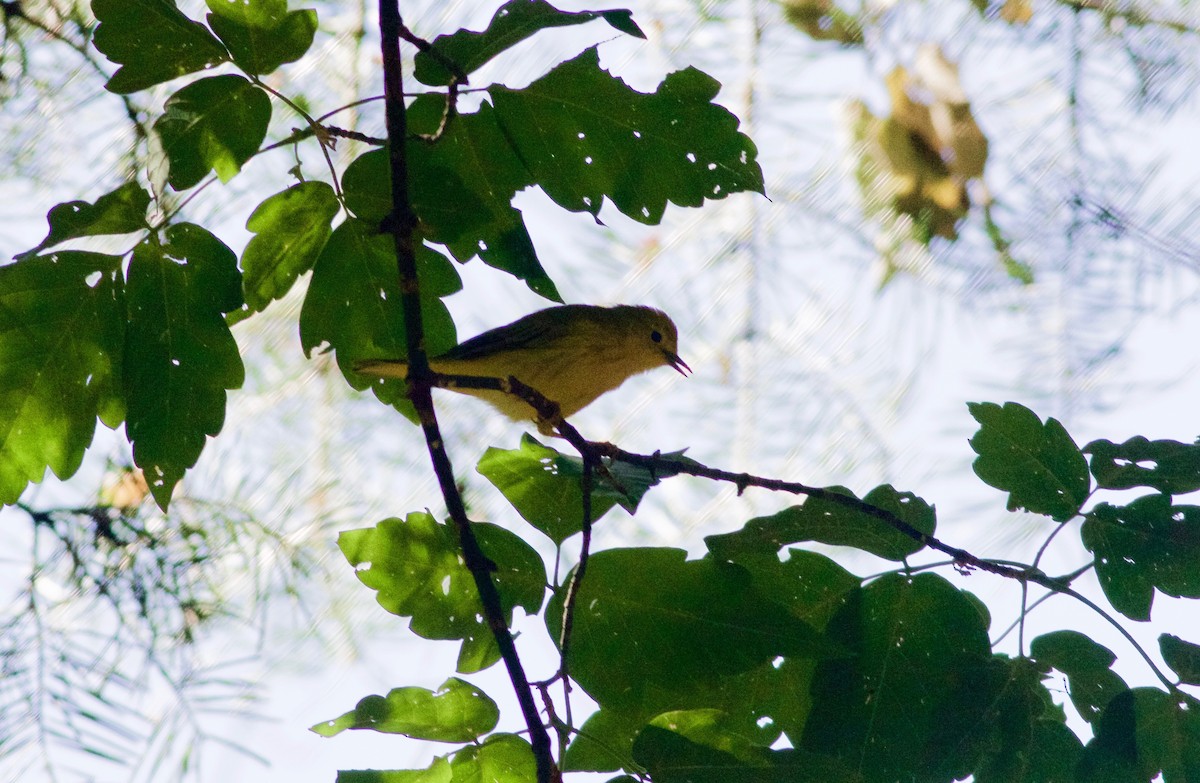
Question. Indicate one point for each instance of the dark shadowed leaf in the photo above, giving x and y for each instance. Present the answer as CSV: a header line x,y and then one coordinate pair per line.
x,y
649,621
353,304
262,34
153,42
1038,465
1169,466
180,357
829,522
908,703
120,212
1146,545
1183,657
586,135
513,22
1088,667
213,124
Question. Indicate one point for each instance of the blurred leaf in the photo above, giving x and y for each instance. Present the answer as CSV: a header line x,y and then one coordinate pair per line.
x,y
822,20
543,485
501,758
827,522
456,712
416,568
291,228
1183,657
353,305
122,211
62,332
640,150
1088,667
262,34
213,124
1142,733
152,42
180,357
649,621
1169,466
512,23
909,702
1147,544
1038,464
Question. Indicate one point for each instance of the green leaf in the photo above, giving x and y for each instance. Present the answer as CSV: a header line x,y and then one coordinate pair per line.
x,y
1144,545
501,758
456,712
1169,466
213,124
353,305
62,329
291,228
438,772
1183,657
697,746
513,22
823,520
1027,742
648,621
122,211
1038,464
762,702
417,570
1088,667
1145,732
180,357
909,703
152,41
469,220
585,134
262,34
543,485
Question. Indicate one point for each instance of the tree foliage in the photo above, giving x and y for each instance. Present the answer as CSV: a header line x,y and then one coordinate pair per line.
x,y
759,660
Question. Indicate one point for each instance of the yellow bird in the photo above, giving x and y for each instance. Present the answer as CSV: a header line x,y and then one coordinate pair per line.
x,y
571,354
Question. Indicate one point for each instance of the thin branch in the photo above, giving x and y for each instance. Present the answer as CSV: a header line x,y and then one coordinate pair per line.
x,y
401,224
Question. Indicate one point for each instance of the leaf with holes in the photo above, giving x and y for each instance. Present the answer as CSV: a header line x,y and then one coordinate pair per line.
x,y
1169,466
122,211
585,135
1037,464
1146,545
180,358
456,712
62,332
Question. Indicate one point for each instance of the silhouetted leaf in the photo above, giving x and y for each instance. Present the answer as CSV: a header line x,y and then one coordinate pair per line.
x,y
1038,465
1169,466
120,212
180,357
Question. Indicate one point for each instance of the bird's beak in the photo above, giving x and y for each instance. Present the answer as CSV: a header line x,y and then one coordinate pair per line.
x,y
679,364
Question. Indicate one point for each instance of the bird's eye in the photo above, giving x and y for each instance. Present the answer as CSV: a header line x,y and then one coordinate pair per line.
x,y
656,336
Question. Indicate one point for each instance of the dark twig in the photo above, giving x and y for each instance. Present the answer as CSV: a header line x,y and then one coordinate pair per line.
x,y
401,223
568,618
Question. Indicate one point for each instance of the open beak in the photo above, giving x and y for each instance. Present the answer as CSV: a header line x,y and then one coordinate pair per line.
x,y
679,364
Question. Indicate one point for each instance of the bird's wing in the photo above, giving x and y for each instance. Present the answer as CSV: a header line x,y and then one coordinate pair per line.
x,y
521,334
